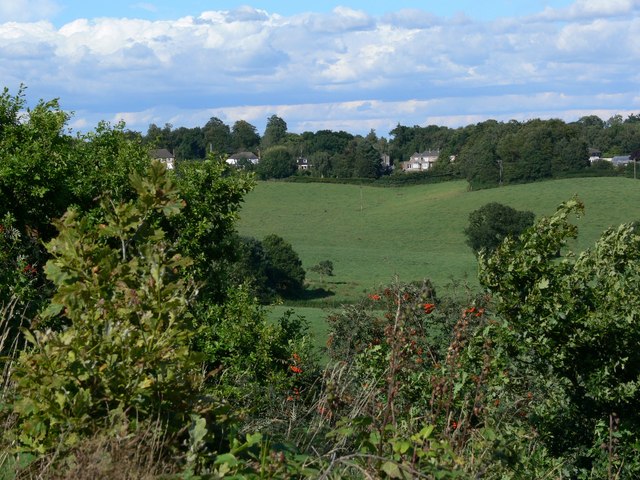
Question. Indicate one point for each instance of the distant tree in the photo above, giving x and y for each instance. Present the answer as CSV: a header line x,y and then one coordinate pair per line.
x,y
275,132
189,143
492,223
268,268
327,141
367,162
284,271
481,163
277,162
217,136
160,137
325,267
244,136
321,164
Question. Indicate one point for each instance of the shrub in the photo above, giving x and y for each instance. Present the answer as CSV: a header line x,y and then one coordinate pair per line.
x,y
123,354
492,223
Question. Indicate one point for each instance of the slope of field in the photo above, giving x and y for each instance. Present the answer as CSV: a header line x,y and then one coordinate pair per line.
x,y
374,234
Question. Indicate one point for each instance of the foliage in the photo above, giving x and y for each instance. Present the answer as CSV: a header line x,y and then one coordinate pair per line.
x,y
284,271
255,364
21,262
492,223
103,160
275,132
204,229
277,162
217,136
267,276
325,267
125,349
244,136
43,171
574,321
34,170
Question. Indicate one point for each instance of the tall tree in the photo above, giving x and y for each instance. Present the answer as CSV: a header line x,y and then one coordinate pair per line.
x,y
275,133
277,162
367,161
217,136
244,136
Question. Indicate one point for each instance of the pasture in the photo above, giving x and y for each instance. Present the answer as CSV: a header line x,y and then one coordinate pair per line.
x,y
373,235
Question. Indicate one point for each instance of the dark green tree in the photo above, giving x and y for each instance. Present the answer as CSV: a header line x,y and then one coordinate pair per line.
x,y
492,223
284,272
244,136
277,162
189,143
275,132
367,162
217,136
251,267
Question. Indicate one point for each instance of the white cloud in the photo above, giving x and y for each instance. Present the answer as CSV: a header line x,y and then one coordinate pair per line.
x,y
26,10
591,9
148,7
344,69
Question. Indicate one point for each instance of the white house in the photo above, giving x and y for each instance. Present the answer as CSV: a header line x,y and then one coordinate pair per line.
x,y
237,158
419,162
303,163
164,156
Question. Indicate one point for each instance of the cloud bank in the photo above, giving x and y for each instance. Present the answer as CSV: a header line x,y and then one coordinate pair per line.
x,y
341,70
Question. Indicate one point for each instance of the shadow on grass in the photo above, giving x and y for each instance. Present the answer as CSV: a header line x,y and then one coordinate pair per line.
x,y
315,294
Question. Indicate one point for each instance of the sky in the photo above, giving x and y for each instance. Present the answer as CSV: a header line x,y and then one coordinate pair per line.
x,y
341,65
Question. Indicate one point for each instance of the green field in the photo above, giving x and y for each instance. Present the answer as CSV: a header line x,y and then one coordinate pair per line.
x,y
374,234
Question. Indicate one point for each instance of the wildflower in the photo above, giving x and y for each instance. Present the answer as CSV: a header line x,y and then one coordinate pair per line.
x,y
295,369
375,297
29,269
429,307
454,425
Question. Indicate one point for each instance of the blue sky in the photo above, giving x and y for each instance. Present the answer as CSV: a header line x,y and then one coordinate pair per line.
x,y
154,10
350,65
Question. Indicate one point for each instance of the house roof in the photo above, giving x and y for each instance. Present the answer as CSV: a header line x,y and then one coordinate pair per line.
x,y
162,153
621,159
241,155
426,153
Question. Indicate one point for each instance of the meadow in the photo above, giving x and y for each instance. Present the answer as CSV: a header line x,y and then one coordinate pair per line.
x,y
374,235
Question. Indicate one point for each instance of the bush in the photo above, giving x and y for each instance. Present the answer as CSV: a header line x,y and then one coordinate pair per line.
x,y
284,271
124,352
492,223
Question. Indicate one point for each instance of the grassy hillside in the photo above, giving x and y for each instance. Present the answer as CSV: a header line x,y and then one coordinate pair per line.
x,y
373,234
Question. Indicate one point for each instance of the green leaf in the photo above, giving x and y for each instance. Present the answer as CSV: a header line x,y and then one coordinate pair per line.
x,y
227,459
391,469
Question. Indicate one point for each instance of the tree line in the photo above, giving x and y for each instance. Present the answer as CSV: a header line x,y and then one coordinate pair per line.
x,y
487,154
